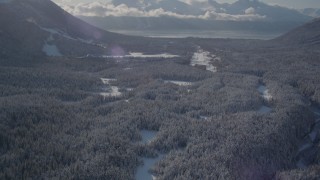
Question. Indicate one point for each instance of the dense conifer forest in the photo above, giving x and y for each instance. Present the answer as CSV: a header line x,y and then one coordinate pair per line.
x,y
55,123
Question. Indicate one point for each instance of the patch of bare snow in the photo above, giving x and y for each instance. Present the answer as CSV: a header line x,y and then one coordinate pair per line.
x,y
114,92
204,58
265,109
51,50
107,80
143,170
133,55
179,83
141,55
264,92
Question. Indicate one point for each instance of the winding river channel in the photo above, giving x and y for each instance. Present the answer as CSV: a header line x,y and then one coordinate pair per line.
x,y
308,148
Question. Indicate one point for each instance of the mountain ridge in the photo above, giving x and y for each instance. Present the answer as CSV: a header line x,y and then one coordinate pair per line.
x,y
35,26
307,34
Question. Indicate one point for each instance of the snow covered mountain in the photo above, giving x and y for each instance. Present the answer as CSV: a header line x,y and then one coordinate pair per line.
x,y
313,12
175,14
272,13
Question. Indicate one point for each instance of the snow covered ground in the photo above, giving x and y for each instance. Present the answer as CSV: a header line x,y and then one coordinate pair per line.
x,y
133,55
51,50
148,163
148,136
107,80
143,170
264,92
179,83
141,55
265,109
204,58
112,91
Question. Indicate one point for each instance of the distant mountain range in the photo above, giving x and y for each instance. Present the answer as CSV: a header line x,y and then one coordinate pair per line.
x,y
32,28
313,12
177,15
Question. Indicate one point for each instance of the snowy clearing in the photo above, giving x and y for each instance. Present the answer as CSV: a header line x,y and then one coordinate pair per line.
x,y
143,170
148,136
132,55
179,83
107,80
112,91
264,92
51,50
204,58
265,109
141,55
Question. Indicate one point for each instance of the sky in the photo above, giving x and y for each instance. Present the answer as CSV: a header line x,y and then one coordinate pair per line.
x,y
297,4
202,11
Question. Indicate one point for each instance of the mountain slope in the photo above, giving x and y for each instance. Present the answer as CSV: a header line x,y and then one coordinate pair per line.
x,y
38,27
313,12
308,34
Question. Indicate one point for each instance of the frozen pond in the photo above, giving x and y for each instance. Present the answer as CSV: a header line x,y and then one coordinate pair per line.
x,y
143,170
51,50
204,58
264,92
265,109
148,136
179,83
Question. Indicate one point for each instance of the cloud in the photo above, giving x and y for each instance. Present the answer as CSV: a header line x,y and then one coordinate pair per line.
x,y
108,9
250,10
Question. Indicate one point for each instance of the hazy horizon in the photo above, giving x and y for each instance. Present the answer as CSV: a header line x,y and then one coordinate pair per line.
x,y
296,4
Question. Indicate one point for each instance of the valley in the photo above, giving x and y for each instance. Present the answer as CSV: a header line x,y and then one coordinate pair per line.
x,y
77,102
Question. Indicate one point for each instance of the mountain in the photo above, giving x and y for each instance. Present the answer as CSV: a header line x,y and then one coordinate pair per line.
x,y
313,12
40,27
272,13
246,15
175,6
130,3
308,34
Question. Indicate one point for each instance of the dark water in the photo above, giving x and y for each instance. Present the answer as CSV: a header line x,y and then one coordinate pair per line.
x,y
202,34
